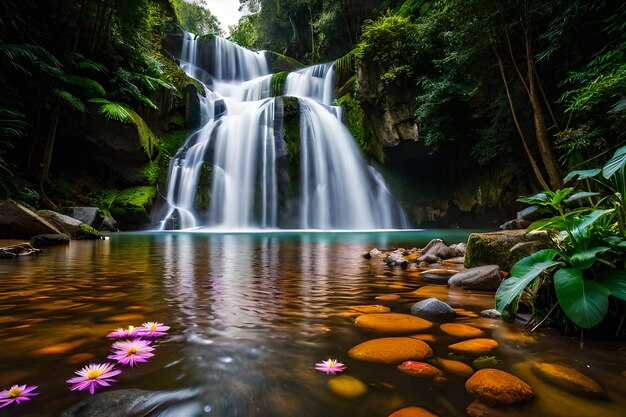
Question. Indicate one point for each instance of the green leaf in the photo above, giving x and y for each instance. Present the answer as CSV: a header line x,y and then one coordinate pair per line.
x,y
539,198
615,164
84,82
70,99
582,174
585,258
149,102
615,281
549,223
580,195
522,274
585,302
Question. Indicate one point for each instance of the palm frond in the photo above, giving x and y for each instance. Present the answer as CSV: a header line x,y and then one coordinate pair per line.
x,y
12,124
76,60
84,82
148,102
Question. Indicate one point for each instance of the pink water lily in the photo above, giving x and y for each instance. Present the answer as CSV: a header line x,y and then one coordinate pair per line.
x,y
121,333
17,394
130,352
330,366
152,329
93,376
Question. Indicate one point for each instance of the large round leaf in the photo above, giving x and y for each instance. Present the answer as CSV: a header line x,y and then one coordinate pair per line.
x,y
615,281
585,302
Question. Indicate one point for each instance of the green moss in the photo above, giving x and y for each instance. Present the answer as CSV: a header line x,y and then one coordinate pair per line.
x,y
280,63
87,232
130,207
503,248
486,362
291,137
361,128
203,188
278,83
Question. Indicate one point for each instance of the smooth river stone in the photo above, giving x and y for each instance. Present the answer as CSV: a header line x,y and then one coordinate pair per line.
x,y
418,369
475,346
498,386
366,309
455,367
388,297
568,378
461,330
392,323
412,412
347,386
391,350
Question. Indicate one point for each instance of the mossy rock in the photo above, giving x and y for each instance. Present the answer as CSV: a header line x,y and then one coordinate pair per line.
x,y
131,207
280,62
504,248
86,232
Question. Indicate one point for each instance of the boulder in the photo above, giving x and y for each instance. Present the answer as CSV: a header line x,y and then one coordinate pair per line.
x,y
486,277
435,251
132,206
391,350
87,215
504,248
459,249
496,386
568,378
432,309
491,313
412,412
65,223
18,222
392,323
50,239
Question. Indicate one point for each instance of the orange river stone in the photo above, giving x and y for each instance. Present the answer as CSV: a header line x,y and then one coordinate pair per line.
x,y
568,378
455,367
475,345
418,369
371,309
391,350
498,386
392,323
412,412
461,330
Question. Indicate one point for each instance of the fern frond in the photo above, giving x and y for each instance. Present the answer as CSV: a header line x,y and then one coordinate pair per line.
x,y
115,111
146,136
70,99
76,60
147,101
84,82
153,83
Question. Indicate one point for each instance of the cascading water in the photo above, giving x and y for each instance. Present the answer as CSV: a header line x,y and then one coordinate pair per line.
x,y
238,170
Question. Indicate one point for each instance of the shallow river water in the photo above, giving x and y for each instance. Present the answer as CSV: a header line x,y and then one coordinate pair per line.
x,y
250,315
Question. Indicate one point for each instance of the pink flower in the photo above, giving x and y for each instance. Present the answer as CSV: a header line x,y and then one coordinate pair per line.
x,y
93,376
120,333
129,352
152,329
16,394
330,366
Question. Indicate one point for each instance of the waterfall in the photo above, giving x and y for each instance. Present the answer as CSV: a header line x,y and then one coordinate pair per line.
x,y
242,169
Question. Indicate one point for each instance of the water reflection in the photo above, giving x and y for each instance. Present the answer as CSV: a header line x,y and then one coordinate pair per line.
x,y
250,314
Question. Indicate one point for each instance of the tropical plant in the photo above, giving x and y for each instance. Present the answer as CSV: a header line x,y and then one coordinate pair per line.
x,y
585,270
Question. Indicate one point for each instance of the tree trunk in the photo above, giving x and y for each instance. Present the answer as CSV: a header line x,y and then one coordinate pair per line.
x,y
532,160
541,131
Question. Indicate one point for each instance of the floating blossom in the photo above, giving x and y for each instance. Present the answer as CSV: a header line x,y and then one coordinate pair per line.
x,y
330,366
93,376
120,333
130,352
152,329
17,394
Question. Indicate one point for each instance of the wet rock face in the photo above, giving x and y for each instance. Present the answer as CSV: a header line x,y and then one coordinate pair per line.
x,y
432,309
392,323
391,350
569,379
499,387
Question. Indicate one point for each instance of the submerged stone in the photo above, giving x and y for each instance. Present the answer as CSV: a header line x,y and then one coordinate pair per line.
x,y
480,409
568,378
392,323
432,309
366,309
391,350
418,369
455,367
347,386
498,386
460,330
387,297
479,345
412,412
480,278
